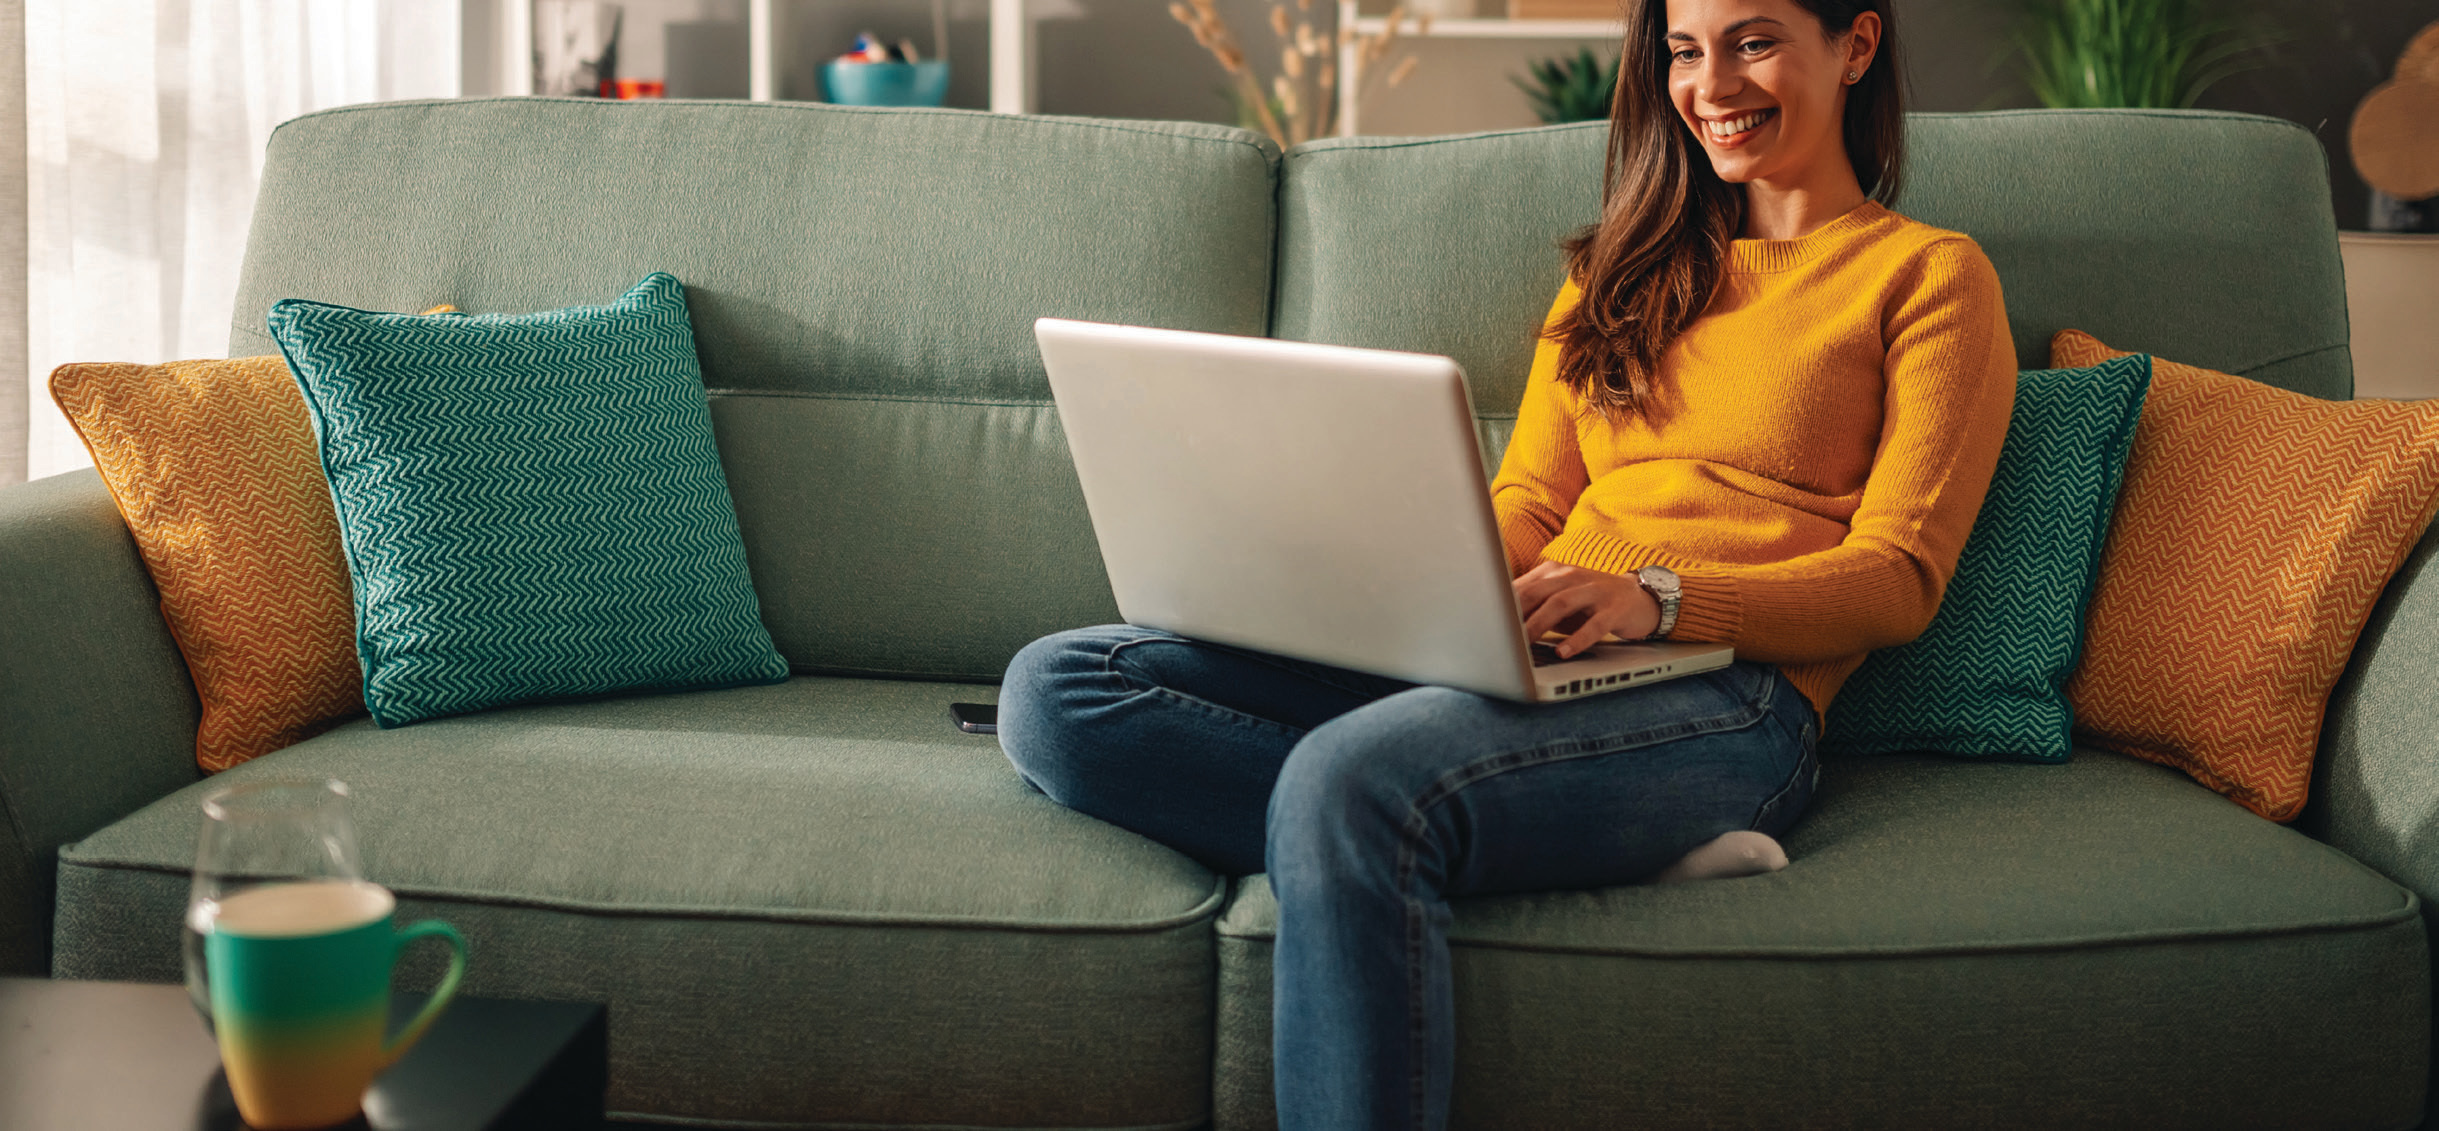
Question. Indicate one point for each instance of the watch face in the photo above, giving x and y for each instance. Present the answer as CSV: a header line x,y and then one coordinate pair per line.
x,y
1661,583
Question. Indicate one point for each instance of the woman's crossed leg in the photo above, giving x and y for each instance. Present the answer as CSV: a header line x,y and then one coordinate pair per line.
x,y
1371,802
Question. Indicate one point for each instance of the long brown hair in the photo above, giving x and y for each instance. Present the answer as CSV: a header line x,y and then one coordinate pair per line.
x,y
1649,267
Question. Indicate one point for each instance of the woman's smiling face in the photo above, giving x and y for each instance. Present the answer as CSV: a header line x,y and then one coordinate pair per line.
x,y
1762,87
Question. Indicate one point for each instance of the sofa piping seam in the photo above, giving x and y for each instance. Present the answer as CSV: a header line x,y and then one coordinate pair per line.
x,y
730,392
1369,144
1207,909
2299,355
733,393
832,672
1344,145
713,1122
2411,913
1246,138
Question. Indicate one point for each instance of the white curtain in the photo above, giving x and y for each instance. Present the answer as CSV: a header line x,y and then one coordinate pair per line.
x,y
145,127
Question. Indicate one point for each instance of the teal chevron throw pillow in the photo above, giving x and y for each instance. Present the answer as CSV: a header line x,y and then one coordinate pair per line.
x,y
1988,678
532,507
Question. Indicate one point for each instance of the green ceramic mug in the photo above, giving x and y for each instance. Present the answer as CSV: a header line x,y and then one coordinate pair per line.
x,y
300,988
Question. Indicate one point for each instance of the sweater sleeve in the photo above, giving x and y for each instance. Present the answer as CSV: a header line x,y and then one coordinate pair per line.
x,y
1543,471
1950,373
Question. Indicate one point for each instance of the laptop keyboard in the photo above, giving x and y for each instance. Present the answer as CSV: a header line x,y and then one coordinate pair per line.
x,y
1545,655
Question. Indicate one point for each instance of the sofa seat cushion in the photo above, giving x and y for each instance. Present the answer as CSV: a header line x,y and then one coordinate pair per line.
x,y
816,903
2099,943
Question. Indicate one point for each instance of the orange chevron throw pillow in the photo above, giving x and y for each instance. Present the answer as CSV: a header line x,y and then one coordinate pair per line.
x,y
2255,531
215,469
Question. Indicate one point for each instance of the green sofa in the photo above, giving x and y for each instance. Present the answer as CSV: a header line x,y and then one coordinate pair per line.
x,y
818,904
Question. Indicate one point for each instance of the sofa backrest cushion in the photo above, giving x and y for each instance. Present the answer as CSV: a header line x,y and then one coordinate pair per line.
x,y
2197,235
2203,236
1438,245
863,286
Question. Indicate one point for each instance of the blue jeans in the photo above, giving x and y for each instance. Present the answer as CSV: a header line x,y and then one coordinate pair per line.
x,y
1371,802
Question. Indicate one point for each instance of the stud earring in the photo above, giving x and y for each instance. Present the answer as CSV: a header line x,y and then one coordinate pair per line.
x,y
1854,76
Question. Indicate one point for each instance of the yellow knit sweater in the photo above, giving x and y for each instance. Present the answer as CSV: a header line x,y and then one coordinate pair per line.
x,y
1819,445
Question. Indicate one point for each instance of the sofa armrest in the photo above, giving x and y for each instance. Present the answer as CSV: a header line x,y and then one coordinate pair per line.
x,y
97,715
2375,784
2375,789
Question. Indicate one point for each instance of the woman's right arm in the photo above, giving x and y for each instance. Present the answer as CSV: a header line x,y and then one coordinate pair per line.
x,y
1543,471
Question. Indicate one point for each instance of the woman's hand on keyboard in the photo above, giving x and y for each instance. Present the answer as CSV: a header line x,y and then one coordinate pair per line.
x,y
1586,604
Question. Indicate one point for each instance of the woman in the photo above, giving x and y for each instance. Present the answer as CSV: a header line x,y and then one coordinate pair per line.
x,y
1763,412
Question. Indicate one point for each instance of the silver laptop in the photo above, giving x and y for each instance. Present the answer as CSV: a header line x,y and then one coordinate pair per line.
x,y
1318,502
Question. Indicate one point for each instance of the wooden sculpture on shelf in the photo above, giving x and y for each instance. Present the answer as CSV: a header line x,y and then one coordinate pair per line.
x,y
2395,136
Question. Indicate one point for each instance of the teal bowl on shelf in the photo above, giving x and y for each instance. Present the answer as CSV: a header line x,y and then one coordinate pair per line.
x,y
885,84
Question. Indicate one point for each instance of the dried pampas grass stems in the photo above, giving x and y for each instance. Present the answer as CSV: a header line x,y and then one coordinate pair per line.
x,y
1306,97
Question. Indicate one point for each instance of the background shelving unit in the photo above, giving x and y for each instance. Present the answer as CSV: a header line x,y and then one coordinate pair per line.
x,y
1014,85
1350,15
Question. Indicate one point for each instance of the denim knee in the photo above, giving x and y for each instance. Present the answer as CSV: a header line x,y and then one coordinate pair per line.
x,y
1035,707
1340,809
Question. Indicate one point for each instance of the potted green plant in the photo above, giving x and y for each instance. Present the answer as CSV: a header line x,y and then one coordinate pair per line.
x,y
1570,90
2152,53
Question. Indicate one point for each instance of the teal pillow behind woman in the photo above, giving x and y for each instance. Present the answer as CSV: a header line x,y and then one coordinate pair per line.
x,y
531,505
1988,678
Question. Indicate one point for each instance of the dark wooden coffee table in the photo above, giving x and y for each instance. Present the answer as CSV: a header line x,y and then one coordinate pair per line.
x,y
126,1057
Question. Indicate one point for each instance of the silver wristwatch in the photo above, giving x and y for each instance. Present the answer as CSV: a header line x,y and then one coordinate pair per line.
x,y
1661,583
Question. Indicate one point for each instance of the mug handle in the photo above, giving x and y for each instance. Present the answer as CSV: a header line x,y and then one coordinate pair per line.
x,y
391,1051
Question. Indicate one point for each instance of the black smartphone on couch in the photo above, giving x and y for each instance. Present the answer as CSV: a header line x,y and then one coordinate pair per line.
x,y
975,718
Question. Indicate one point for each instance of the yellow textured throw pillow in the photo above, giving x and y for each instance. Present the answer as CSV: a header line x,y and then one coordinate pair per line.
x,y
2255,530
215,469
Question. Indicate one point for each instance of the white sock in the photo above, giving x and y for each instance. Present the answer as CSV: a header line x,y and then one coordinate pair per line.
x,y
1740,853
